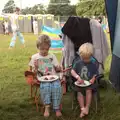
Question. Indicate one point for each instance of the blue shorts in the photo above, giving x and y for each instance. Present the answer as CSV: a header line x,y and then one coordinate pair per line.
x,y
51,92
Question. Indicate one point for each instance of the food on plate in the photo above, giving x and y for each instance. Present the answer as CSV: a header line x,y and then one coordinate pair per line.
x,y
46,78
81,83
51,78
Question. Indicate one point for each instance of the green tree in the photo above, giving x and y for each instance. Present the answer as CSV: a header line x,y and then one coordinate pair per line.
x,y
25,11
9,7
90,8
61,7
36,9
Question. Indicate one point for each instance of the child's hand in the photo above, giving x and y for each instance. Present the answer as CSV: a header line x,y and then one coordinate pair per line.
x,y
63,80
80,80
93,79
58,68
48,73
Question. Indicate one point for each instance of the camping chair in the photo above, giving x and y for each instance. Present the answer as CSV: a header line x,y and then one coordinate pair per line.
x,y
71,81
34,84
31,80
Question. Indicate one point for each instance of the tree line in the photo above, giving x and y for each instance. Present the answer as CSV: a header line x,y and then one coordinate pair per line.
x,y
62,8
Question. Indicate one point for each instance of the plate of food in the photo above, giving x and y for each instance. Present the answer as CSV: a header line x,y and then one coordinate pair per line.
x,y
85,84
48,78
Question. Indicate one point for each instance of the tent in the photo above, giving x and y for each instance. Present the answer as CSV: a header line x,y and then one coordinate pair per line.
x,y
113,12
48,20
21,22
56,42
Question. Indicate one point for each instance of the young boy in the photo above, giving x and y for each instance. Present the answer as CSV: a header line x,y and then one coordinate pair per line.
x,y
15,28
85,69
50,91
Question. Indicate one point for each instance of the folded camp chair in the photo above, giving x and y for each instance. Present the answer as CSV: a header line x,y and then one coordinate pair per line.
x,y
71,81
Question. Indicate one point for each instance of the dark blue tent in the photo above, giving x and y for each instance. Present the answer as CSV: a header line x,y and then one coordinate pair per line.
x,y
113,12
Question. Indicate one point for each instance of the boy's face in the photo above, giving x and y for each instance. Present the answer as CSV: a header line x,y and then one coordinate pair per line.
x,y
17,12
86,59
44,49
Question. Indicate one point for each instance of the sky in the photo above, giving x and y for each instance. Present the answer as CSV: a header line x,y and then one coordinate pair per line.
x,y
29,3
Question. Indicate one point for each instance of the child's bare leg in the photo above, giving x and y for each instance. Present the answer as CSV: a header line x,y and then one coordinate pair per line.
x,y
80,100
47,111
81,103
88,101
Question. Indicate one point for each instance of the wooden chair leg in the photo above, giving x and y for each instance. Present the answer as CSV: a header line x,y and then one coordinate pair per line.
x,y
31,90
64,88
36,89
60,106
36,102
36,98
72,100
96,102
42,107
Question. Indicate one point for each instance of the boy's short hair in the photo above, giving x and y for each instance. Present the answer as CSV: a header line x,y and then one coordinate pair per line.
x,y
17,9
43,39
86,50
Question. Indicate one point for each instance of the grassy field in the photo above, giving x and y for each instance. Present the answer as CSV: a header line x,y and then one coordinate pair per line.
x,y
15,102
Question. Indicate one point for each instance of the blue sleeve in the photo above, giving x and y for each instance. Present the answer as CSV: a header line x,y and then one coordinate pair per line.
x,y
95,70
75,67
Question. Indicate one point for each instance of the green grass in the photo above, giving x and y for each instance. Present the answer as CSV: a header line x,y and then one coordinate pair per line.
x,y
15,102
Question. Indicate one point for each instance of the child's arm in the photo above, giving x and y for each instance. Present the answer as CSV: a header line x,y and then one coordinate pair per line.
x,y
93,79
56,64
76,76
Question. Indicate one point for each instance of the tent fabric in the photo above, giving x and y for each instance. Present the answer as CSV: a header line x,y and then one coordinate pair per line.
x,y
56,42
40,22
111,8
48,20
27,24
51,30
116,48
21,23
114,25
1,28
115,72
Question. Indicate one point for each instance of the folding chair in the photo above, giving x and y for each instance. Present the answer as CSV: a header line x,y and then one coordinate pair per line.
x,y
34,84
96,94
